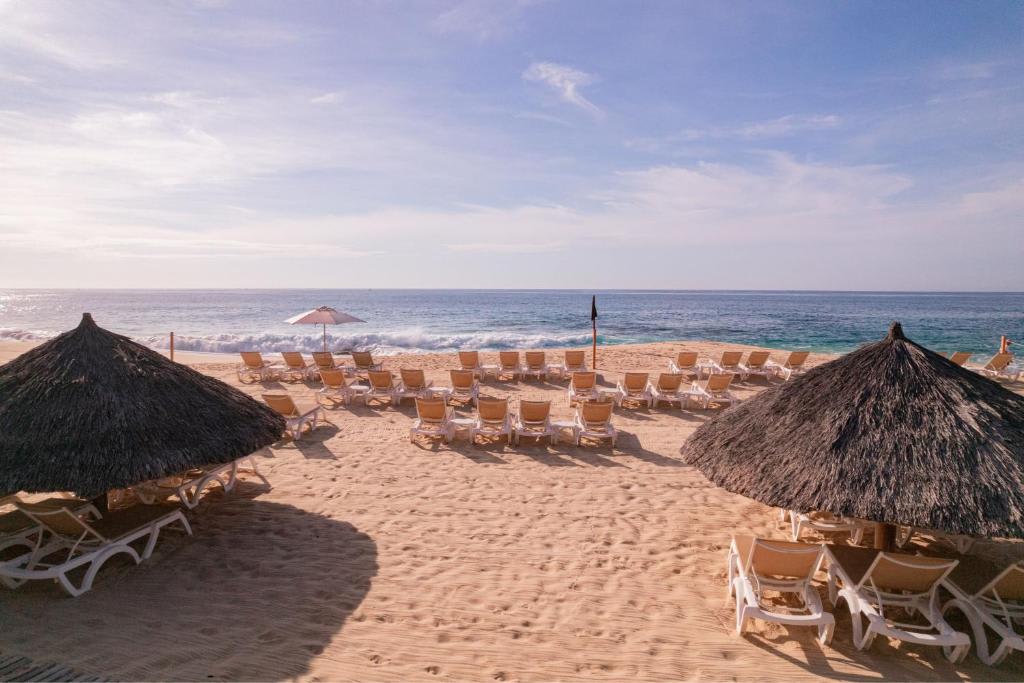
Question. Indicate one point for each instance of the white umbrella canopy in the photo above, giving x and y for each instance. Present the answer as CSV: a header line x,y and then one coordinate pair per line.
x,y
325,315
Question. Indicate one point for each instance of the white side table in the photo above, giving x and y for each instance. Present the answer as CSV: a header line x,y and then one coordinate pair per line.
x,y
560,426
462,426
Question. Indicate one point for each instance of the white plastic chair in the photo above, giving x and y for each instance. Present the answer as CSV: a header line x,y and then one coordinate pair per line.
x,y
433,419
493,420
594,421
757,566
533,421
635,388
296,418
997,607
582,387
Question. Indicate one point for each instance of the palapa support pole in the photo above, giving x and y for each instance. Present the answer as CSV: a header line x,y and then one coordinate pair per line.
x,y
172,346
885,537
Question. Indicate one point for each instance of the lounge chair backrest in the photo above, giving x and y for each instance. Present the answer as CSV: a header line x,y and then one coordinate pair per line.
x,y
492,409
252,359
596,414
509,359
534,412
896,573
462,379
635,381
293,359
584,380
362,359
719,381
797,359
960,358
686,360
431,409
333,378
413,378
1009,585
757,359
669,381
535,359
999,361
282,403
380,379
783,559
469,360
575,359
323,359
61,521
731,359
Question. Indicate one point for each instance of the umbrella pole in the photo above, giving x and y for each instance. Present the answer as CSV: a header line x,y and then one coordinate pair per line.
x,y
325,337
885,537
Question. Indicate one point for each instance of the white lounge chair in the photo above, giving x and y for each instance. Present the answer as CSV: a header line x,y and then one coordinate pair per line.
x,y
572,361
465,387
325,360
715,389
594,421
685,364
508,364
582,387
433,419
533,421
363,360
960,358
414,384
296,418
996,607
729,362
635,388
890,588
793,365
383,387
339,389
470,360
188,487
73,542
1000,367
493,420
757,566
295,366
19,531
536,365
255,369
667,390
757,364
824,522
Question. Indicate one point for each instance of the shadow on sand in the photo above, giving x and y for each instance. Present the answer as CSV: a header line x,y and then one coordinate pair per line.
x,y
259,591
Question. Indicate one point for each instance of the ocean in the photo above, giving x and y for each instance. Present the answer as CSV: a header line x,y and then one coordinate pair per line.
x,y
403,321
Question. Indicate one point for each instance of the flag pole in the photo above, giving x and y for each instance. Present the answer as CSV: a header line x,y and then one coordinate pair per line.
x,y
593,320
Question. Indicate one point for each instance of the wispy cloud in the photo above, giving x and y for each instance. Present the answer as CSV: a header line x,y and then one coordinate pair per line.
x,y
482,20
327,98
566,81
790,124
968,71
506,247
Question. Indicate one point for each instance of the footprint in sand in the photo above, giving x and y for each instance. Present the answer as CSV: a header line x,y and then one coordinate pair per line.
x,y
433,670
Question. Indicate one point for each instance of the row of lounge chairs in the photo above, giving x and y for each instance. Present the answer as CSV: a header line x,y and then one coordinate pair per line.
x,y
56,538
900,596
434,418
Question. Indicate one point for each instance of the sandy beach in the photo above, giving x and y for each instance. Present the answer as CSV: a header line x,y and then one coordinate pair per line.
x,y
371,558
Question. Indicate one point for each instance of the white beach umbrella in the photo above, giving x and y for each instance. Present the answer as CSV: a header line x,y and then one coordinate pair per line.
x,y
325,315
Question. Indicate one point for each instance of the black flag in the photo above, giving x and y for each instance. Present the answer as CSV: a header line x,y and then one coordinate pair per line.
x,y
593,308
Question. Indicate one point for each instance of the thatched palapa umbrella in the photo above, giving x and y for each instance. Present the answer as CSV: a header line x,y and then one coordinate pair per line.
x,y
90,410
892,433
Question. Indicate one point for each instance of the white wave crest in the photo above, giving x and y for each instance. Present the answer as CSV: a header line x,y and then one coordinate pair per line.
x,y
15,334
383,343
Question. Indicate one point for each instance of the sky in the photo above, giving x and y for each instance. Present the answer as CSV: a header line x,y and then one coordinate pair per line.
x,y
512,144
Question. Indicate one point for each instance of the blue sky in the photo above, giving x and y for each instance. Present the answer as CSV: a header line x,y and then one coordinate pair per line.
x,y
772,145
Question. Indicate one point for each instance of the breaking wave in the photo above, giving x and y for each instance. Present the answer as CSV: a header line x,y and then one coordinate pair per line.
x,y
14,334
383,343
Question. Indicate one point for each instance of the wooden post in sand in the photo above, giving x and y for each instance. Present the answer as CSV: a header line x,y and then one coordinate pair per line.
x,y
885,537
172,346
